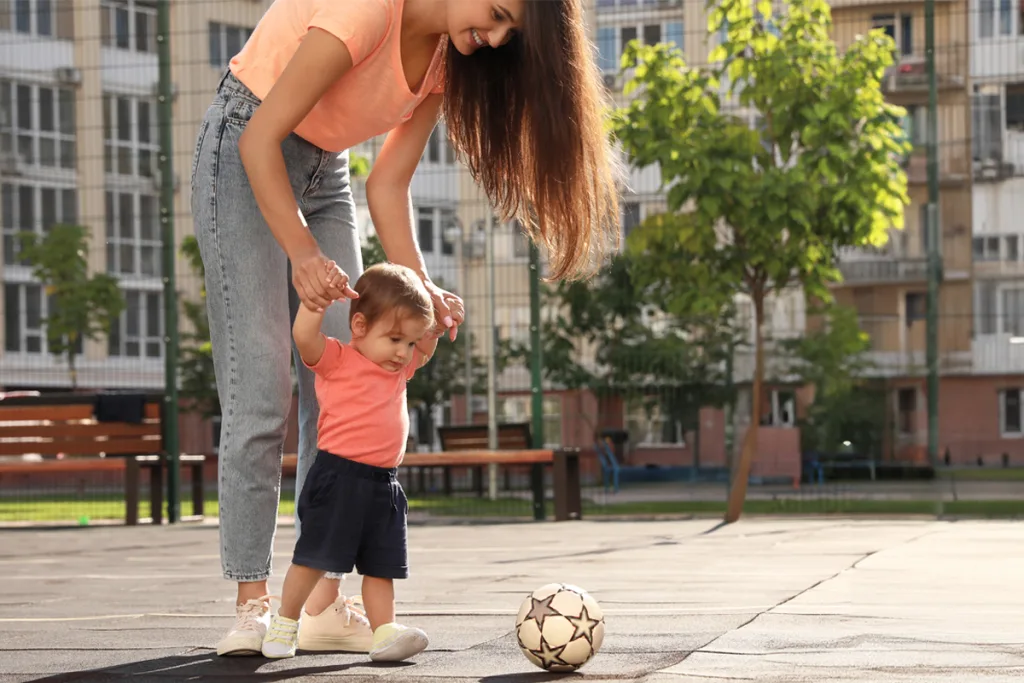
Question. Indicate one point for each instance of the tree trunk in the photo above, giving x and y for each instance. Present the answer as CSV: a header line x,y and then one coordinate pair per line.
x,y
71,368
740,478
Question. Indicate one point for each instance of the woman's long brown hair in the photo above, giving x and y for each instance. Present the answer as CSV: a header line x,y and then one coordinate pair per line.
x,y
528,120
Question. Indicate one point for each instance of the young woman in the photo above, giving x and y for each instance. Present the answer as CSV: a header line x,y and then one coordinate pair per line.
x,y
273,209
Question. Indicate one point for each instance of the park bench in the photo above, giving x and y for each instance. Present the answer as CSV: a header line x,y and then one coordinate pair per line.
x,y
91,433
467,452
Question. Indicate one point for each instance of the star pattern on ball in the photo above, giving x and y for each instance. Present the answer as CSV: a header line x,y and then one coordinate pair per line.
x,y
550,657
584,626
541,609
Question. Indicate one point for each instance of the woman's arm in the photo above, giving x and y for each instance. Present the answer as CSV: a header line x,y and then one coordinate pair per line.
x,y
387,188
390,203
320,61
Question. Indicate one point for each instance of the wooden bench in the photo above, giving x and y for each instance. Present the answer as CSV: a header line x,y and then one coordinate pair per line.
x,y
67,425
565,464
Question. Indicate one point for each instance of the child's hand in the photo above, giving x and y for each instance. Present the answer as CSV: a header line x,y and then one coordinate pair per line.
x,y
338,283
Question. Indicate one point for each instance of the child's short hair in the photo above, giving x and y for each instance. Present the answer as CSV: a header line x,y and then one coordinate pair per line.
x,y
386,288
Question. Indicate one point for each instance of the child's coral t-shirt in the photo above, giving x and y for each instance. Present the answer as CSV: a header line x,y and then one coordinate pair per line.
x,y
372,98
364,414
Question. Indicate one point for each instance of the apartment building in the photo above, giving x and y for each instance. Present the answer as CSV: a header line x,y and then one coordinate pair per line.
x,y
997,74
79,143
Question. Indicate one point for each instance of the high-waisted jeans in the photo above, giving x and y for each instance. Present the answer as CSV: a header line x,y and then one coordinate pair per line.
x,y
251,305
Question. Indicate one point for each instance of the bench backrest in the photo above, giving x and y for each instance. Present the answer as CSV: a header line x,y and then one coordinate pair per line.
x,y
512,436
66,424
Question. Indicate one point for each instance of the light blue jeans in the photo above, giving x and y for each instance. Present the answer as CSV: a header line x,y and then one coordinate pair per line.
x,y
251,305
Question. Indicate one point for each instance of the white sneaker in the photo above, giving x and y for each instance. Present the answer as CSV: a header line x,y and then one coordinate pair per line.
x,y
342,627
394,643
281,638
246,636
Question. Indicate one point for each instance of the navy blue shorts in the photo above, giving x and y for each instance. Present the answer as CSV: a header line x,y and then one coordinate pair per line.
x,y
353,515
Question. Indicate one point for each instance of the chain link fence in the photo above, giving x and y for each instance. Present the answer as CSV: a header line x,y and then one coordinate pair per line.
x,y
85,119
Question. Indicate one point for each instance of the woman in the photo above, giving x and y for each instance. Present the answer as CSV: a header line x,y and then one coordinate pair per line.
x,y
517,85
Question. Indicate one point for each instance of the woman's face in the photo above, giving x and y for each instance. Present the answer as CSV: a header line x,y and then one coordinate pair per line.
x,y
482,24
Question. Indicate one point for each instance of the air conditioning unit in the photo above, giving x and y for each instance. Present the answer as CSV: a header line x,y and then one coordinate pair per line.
x,y
610,80
68,75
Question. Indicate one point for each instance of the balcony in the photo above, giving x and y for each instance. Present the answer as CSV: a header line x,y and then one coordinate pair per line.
x,y
997,354
909,75
1001,159
863,269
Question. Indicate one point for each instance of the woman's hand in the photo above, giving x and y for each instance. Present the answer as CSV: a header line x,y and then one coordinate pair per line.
x,y
449,308
319,281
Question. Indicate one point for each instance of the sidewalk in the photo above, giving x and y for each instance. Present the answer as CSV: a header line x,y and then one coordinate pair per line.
x,y
766,600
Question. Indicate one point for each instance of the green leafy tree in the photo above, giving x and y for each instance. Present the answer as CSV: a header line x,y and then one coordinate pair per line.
x,y
195,361
641,352
756,209
445,374
80,306
847,406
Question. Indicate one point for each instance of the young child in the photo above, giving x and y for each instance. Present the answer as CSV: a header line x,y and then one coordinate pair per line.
x,y
352,509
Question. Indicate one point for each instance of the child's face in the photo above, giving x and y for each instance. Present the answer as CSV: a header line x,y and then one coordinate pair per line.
x,y
389,342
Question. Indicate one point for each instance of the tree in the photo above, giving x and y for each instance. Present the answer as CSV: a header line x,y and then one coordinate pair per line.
x,y
195,361
80,306
847,408
756,209
640,351
445,374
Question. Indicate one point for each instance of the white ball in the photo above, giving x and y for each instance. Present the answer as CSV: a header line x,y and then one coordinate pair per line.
x,y
560,627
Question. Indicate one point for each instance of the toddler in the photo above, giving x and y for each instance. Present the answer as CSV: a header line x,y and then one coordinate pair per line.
x,y
352,509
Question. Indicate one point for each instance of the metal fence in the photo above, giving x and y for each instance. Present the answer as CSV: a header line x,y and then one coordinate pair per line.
x,y
94,94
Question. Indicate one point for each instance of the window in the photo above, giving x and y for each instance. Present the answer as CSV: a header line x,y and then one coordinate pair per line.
x,y
674,34
607,50
1015,106
985,296
989,23
138,332
987,118
648,425
520,241
226,41
38,123
439,149
129,132
899,27
33,208
916,307
782,411
652,34
43,18
128,25
906,406
1013,312
133,234
520,409
23,318
1010,421
431,226
425,230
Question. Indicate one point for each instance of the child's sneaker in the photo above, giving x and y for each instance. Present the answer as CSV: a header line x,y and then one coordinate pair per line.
x,y
246,636
342,627
394,643
281,638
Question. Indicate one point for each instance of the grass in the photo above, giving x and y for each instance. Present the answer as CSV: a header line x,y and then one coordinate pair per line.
x,y
85,509
985,474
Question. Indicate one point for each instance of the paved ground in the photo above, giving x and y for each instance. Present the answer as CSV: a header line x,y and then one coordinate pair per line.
x,y
765,600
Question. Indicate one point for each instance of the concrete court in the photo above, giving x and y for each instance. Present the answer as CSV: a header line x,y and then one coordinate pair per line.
x,y
769,599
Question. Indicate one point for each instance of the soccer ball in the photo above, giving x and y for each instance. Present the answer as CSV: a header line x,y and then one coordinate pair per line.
x,y
560,627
